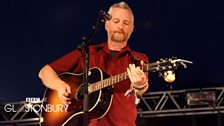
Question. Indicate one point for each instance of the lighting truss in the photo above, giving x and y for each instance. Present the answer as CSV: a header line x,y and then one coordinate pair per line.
x,y
174,103
20,113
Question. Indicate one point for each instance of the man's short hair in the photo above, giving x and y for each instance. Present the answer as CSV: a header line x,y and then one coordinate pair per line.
x,y
122,5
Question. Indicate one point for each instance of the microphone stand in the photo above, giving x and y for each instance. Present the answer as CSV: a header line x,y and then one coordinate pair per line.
x,y
84,49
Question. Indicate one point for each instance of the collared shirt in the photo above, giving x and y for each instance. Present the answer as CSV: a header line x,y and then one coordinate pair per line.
x,y
122,111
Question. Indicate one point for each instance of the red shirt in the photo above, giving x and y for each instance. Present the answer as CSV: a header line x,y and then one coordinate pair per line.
x,y
123,109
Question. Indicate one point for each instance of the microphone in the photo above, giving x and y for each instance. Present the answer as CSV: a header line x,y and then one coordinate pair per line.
x,y
105,15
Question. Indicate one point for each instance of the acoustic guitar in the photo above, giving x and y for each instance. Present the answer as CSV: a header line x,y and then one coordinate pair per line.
x,y
100,93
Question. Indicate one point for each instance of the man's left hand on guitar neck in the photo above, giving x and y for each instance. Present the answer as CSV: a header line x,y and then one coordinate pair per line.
x,y
139,80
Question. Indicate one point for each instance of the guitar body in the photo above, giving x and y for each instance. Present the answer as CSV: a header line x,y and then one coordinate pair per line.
x,y
99,101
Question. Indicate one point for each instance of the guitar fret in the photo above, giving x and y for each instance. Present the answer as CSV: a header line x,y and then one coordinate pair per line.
x,y
106,84
99,84
109,80
121,77
118,78
113,80
96,87
102,83
125,75
106,81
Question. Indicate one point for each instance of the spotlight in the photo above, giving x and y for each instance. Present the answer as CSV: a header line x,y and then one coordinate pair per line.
x,y
169,76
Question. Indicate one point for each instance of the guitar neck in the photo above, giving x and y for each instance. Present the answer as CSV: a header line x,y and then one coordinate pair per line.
x,y
118,78
108,82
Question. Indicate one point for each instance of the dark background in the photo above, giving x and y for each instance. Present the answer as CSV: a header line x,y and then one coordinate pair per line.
x,y
34,33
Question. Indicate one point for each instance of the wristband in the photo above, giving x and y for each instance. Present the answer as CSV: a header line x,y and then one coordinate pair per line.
x,y
140,87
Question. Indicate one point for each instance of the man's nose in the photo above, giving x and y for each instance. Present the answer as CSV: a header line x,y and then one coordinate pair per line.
x,y
120,25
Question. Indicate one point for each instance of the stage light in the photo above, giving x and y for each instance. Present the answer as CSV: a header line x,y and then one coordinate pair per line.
x,y
169,76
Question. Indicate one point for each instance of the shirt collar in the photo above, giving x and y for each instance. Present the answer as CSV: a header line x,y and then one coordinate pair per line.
x,y
107,50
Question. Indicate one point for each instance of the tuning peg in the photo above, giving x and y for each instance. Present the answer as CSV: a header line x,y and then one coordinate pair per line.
x,y
161,60
183,64
160,74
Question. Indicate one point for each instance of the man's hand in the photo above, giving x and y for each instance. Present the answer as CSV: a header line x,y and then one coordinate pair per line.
x,y
64,91
136,75
51,80
139,80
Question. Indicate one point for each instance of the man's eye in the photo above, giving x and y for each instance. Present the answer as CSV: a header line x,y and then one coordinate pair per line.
x,y
126,23
116,21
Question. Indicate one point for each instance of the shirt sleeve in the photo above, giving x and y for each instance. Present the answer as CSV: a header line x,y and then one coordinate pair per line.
x,y
71,62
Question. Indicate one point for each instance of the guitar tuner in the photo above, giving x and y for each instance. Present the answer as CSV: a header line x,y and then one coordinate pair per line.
x,y
167,67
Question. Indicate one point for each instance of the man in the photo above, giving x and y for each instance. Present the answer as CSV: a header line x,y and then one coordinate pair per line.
x,y
112,57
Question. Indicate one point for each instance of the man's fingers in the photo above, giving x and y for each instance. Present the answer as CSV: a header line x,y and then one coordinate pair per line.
x,y
142,62
66,100
68,89
131,70
130,74
64,94
137,76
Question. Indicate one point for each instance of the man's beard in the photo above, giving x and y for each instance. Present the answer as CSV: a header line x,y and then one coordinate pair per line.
x,y
119,36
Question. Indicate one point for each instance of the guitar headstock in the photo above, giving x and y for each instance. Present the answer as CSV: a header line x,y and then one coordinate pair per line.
x,y
166,65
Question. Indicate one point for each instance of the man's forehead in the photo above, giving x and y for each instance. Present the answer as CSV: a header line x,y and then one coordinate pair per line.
x,y
121,13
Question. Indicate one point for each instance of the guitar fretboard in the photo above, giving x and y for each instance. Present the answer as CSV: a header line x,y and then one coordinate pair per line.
x,y
152,67
108,82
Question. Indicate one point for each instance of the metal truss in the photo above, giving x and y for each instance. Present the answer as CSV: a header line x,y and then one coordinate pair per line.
x,y
20,113
153,104
174,103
